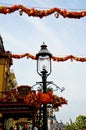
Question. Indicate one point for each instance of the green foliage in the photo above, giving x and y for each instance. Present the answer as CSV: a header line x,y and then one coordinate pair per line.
x,y
70,126
79,124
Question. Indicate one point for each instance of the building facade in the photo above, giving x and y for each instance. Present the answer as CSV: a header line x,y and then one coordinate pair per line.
x,y
13,110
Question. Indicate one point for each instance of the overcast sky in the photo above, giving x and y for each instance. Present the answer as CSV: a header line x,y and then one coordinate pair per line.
x,y
63,36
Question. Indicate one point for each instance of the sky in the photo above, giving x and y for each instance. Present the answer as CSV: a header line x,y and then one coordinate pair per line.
x,y
63,36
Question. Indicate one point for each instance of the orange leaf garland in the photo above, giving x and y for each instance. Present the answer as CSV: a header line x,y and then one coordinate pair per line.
x,y
41,13
31,99
36,100
58,101
54,58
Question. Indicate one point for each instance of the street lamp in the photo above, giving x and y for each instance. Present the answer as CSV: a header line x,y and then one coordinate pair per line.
x,y
44,70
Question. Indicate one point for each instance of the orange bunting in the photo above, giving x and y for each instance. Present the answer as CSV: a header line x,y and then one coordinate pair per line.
x,y
54,58
71,57
41,13
19,56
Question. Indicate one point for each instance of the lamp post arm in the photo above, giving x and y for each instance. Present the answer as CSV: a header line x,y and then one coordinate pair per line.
x,y
62,89
57,87
36,84
48,83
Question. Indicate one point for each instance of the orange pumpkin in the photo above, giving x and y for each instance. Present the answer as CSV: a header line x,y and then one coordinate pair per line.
x,y
45,98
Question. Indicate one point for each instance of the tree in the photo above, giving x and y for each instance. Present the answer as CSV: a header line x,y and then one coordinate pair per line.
x,y
80,122
70,126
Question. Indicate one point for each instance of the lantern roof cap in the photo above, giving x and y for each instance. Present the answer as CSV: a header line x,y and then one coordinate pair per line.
x,y
43,51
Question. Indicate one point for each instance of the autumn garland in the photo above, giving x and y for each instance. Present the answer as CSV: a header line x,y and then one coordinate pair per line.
x,y
18,56
18,93
58,59
40,98
54,58
33,99
71,57
41,13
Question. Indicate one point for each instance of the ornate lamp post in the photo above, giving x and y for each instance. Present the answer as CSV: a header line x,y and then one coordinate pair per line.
x,y
44,70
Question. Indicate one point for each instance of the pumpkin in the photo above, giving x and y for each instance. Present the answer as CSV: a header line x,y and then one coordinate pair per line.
x,y
45,98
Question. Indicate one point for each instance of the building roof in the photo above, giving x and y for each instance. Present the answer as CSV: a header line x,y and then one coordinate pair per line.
x,y
2,50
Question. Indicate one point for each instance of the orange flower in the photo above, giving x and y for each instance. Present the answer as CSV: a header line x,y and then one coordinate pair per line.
x,y
36,100
50,93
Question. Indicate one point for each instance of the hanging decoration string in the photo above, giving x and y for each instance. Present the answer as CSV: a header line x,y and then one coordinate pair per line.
x,y
42,13
54,58
71,57
19,56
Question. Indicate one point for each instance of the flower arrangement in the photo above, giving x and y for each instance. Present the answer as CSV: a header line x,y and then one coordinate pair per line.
x,y
57,102
22,91
40,98
32,99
